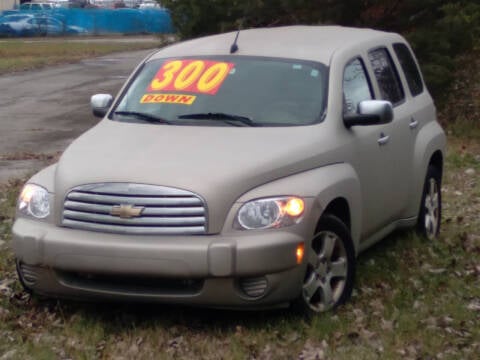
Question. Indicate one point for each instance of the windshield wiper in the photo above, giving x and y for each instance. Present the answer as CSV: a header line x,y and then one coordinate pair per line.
x,y
228,118
144,116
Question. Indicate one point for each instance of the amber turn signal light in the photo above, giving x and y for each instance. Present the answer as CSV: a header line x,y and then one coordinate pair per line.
x,y
300,252
294,207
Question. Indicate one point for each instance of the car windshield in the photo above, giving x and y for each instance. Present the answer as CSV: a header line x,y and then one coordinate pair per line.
x,y
226,91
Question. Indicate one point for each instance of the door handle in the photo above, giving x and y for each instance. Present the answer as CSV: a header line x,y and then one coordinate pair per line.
x,y
383,139
413,123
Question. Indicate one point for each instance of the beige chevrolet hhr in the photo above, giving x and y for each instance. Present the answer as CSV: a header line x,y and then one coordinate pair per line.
x,y
246,169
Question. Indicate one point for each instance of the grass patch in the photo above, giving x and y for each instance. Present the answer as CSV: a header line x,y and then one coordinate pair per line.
x,y
413,299
18,55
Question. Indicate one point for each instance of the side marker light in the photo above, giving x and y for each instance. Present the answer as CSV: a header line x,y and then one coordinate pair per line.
x,y
300,252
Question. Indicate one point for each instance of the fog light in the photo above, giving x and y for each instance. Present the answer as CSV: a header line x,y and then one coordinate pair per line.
x,y
28,274
254,287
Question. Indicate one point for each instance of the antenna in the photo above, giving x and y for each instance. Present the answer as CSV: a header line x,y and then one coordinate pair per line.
x,y
234,47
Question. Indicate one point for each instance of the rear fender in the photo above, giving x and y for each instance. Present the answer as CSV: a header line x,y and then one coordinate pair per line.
x,y
430,139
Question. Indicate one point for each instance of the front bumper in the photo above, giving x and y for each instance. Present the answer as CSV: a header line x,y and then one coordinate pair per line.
x,y
254,268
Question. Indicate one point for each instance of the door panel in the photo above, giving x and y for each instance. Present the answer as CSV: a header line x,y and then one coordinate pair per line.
x,y
400,146
371,158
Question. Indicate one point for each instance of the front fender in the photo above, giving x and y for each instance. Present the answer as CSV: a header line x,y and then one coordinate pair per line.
x,y
45,178
322,185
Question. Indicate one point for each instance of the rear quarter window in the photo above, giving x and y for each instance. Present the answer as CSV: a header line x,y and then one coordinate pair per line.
x,y
410,68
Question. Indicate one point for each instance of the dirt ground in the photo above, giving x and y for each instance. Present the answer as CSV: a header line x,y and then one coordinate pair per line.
x,y
42,111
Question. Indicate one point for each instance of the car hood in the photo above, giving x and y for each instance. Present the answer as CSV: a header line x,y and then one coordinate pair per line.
x,y
217,163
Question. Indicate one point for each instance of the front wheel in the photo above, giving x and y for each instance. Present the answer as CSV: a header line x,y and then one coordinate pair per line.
x,y
431,206
328,280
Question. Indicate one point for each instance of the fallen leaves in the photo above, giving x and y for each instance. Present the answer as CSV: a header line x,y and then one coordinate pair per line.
x,y
30,156
470,172
313,351
11,354
411,351
474,305
6,289
175,344
471,243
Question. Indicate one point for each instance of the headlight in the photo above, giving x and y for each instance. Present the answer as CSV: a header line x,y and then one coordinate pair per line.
x,y
270,213
33,201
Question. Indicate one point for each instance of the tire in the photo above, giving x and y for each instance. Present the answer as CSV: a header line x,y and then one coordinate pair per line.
x,y
330,272
430,215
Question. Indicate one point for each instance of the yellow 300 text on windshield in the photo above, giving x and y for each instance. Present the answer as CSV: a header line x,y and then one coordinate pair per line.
x,y
196,76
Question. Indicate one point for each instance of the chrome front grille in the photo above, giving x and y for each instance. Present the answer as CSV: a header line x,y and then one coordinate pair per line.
x,y
134,209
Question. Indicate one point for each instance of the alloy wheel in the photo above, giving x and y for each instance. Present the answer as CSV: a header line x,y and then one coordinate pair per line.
x,y
326,272
432,209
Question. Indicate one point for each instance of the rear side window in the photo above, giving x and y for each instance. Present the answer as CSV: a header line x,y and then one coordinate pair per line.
x,y
356,87
410,68
386,75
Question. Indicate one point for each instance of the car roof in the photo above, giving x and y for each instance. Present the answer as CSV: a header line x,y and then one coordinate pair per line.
x,y
316,43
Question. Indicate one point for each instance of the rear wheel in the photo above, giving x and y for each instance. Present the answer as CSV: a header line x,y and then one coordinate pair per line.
x,y
328,280
431,206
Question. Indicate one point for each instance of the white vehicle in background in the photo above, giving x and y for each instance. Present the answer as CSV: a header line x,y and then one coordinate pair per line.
x,y
116,4
17,25
23,24
62,4
33,6
133,4
106,4
150,4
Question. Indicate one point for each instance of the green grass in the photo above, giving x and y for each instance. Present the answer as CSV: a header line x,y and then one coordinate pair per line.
x,y
17,55
413,299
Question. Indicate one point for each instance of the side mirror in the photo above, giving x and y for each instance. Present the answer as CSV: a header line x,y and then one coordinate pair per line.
x,y
370,112
100,104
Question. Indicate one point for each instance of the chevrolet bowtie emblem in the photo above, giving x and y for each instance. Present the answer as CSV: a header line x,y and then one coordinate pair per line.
x,y
126,211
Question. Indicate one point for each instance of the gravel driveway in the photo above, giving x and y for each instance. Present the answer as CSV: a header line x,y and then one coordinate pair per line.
x,y
42,111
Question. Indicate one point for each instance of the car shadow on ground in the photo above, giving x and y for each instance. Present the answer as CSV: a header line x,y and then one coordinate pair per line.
x,y
118,316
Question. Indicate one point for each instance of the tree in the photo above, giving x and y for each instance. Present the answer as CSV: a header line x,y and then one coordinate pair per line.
x,y
438,30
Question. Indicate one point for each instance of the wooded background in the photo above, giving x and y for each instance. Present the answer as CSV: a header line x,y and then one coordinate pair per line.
x,y
438,30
